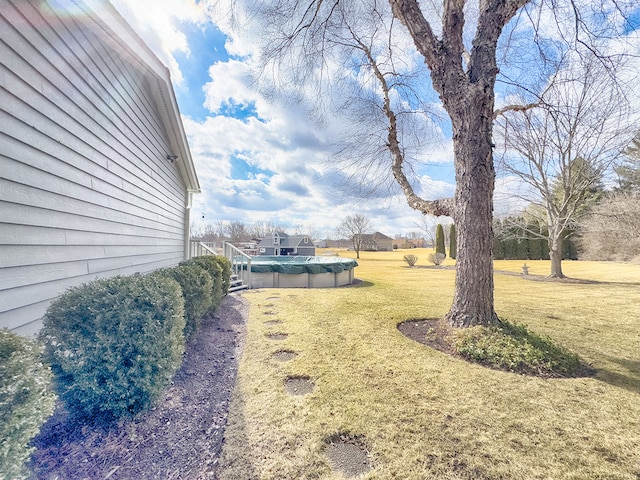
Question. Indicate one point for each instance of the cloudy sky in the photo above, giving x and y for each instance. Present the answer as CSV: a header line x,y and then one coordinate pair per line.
x,y
260,160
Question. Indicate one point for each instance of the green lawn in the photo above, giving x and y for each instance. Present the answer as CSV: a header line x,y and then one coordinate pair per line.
x,y
421,413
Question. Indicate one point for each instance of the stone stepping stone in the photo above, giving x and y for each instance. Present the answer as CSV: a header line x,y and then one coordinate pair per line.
x,y
273,322
298,385
348,455
284,355
277,336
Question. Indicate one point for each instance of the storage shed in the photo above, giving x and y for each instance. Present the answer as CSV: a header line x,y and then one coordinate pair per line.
x,y
96,176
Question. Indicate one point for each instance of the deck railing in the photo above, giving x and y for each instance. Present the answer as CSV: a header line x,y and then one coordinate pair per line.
x,y
240,263
199,249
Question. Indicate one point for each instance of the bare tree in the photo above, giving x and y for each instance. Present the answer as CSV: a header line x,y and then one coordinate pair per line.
x,y
612,230
236,232
264,229
458,44
353,228
563,148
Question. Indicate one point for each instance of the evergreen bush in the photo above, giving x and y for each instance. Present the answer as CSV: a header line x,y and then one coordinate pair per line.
x,y
26,401
197,291
440,240
453,242
219,268
114,344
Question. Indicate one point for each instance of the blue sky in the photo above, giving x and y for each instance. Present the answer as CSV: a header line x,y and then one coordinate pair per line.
x,y
257,161
260,160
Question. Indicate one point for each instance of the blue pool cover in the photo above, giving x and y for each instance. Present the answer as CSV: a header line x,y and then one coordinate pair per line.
x,y
301,264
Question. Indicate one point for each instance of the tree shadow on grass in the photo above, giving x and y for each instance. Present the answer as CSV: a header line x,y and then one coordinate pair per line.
x,y
629,380
357,283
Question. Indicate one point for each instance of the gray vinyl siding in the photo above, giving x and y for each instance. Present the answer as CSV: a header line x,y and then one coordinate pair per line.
x,y
86,189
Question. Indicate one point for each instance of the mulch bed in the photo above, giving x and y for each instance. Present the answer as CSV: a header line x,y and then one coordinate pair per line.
x,y
180,438
431,331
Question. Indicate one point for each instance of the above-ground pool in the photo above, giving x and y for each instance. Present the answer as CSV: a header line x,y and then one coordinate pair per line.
x,y
301,271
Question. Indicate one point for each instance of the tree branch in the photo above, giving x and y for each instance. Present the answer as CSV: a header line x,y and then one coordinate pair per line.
x,y
514,108
433,207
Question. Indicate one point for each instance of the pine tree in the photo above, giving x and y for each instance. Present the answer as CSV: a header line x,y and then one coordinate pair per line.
x,y
453,246
440,240
629,171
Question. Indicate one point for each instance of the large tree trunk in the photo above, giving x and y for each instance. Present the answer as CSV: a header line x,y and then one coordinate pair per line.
x,y
473,213
555,254
467,93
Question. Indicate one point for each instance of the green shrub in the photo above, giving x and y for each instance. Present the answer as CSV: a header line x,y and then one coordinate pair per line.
x,y
219,268
440,240
26,401
197,290
516,349
453,242
114,344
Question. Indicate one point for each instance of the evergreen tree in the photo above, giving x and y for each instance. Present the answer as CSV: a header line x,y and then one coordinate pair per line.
x,y
440,240
453,246
629,171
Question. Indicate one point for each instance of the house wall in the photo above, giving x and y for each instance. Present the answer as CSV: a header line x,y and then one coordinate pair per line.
x,y
384,245
309,250
86,189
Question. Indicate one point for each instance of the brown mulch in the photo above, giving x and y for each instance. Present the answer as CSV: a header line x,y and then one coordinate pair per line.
x,y
432,332
180,438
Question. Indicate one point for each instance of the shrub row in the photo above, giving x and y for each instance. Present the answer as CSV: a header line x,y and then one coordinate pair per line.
x,y
25,401
114,344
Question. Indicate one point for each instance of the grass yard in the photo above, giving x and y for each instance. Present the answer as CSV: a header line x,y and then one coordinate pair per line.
x,y
421,413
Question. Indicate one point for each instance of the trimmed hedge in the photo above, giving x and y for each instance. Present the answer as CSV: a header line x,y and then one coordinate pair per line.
x,y
26,401
219,268
114,344
197,291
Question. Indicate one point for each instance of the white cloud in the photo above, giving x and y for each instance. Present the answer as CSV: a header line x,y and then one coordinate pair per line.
x,y
511,196
156,22
230,83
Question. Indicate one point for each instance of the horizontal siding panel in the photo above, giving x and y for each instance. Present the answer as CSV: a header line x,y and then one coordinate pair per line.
x,y
27,215
32,301
19,255
65,201
51,138
14,277
13,298
175,241
101,96
22,319
47,172
12,234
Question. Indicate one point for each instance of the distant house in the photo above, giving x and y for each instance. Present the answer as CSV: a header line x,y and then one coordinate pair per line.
x,y
409,243
376,242
95,170
280,243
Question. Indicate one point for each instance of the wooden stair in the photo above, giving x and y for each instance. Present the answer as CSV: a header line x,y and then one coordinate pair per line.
x,y
237,284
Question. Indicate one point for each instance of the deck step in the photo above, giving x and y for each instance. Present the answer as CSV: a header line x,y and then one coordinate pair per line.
x,y
237,284
240,286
